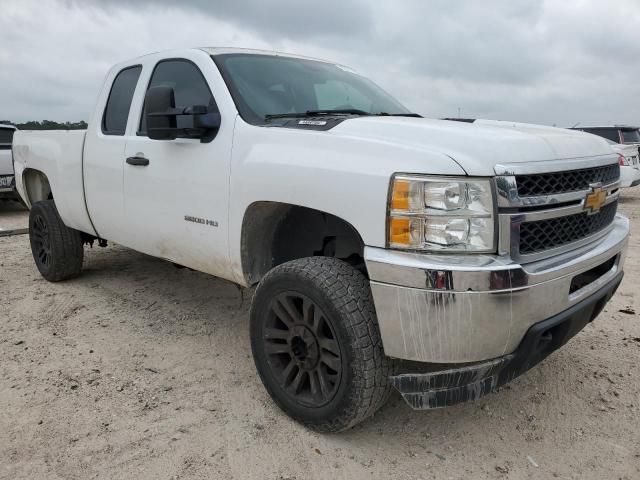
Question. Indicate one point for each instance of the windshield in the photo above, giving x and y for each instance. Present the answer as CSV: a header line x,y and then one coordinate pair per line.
x,y
631,136
267,85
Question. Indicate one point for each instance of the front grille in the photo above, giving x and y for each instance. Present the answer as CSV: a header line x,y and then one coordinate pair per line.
x,y
543,235
568,181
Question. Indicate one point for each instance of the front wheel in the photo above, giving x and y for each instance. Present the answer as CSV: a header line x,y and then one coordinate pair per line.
x,y
56,248
316,343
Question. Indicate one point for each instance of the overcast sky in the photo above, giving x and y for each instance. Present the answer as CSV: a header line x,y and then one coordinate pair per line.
x,y
549,62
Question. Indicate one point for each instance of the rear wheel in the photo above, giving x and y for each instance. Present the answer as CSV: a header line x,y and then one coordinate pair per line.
x,y
56,248
316,343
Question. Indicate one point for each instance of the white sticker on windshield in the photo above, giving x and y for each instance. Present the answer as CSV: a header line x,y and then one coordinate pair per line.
x,y
318,123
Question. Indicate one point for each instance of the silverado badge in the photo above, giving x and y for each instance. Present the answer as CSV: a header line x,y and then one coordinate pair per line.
x,y
202,221
595,199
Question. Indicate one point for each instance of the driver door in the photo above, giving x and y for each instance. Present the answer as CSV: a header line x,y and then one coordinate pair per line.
x,y
176,191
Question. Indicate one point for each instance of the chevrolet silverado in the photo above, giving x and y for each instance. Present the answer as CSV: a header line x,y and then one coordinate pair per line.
x,y
436,257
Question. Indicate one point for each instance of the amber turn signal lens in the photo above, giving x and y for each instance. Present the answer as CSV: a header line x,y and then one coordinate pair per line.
x,y
400,231
400,195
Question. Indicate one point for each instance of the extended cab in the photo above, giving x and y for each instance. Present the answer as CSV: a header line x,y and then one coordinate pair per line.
x,y
388,250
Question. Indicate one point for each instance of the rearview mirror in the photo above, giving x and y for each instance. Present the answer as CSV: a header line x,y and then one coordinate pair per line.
x,y
162,113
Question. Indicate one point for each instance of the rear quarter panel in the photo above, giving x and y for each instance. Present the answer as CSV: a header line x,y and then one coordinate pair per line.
x,y
57,154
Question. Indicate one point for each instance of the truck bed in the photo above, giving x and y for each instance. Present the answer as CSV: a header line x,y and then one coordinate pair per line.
x,y
58,153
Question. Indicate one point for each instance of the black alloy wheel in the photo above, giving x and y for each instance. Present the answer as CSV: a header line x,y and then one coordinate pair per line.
x,y
302,350
57,249
41,243
316,343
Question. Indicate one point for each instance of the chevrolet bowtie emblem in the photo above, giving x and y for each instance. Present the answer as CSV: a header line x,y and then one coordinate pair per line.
x,y
595,200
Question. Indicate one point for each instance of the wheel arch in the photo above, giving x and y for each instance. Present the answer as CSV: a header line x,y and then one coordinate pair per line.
x,y
36,186
275,232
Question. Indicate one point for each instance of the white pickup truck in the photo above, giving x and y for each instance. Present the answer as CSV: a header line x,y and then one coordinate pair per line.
x,y
441,258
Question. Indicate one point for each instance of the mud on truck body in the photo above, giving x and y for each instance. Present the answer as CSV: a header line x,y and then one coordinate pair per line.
x,y
439,258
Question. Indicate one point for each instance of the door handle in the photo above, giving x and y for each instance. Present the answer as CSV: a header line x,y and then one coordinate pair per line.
x,y
138,161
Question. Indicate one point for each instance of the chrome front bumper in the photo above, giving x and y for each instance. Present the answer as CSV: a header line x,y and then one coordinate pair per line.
x,y
470,308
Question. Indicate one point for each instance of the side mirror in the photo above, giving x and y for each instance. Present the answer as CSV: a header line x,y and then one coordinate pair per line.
x,y
161,113
206,125
159,103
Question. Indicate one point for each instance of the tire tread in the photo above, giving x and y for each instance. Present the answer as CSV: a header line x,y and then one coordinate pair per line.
x,y
350,292
66,244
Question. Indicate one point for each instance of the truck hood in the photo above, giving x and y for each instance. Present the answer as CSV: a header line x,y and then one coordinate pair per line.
x,y
478,146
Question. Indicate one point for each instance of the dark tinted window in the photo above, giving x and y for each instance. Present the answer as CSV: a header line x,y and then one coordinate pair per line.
x,y
631,136
608,133
6,137
114,121
189,86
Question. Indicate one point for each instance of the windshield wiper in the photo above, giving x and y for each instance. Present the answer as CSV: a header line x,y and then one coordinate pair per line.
x,y
342,111
316,113
385,114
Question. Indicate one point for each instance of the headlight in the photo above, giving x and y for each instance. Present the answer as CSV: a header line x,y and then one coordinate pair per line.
x,y
441,214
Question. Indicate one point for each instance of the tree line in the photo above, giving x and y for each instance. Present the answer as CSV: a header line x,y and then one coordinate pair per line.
x,y
47,125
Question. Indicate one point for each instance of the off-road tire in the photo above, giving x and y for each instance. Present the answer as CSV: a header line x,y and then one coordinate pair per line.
x,y
344,296
56,248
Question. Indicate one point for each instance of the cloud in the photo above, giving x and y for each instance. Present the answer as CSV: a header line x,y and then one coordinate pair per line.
x,y
295,20
529,60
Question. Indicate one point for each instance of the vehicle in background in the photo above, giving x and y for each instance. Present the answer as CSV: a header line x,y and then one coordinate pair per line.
x,y
7,179
622,134
629,160
440,258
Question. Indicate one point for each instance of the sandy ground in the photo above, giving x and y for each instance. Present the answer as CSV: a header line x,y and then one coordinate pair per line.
x,y
13,218
138,369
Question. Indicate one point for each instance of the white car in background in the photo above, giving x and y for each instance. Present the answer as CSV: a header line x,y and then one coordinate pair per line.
x,y
7,180
629,164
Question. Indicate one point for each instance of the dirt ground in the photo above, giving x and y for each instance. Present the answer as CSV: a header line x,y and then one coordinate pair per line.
x,y
139,369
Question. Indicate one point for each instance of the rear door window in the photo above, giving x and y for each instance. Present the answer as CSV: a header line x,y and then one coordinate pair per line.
x,y
116,113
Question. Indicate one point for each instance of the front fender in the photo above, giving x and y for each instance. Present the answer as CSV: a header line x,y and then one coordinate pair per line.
x,y
347,177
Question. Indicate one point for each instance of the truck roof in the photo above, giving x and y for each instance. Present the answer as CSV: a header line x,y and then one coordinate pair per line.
x,y
2,125
617,127
231,50
249,51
